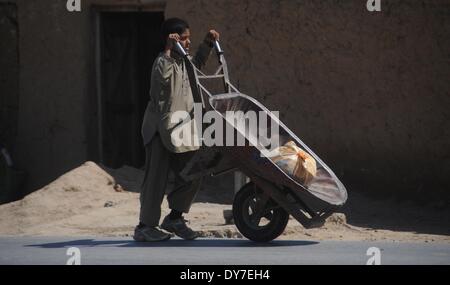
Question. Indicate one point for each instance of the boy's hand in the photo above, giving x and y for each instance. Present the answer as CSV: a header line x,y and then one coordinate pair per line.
x,y
171,40
212,36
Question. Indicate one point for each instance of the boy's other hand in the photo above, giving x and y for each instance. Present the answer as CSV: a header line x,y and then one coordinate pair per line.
x,y
212,36
171,40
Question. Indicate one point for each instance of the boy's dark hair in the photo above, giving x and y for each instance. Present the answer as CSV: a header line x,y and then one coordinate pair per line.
x,y
173,25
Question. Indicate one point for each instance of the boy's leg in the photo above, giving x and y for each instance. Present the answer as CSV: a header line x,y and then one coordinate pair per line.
x,y
184,192
180,200
154,184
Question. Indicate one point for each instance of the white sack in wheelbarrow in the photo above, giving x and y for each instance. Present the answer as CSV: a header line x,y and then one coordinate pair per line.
x,y
295,162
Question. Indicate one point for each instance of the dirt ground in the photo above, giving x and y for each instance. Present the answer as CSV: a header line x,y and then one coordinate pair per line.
x,y
95,201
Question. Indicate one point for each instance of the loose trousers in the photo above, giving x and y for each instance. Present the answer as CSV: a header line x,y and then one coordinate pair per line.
x,y
158,162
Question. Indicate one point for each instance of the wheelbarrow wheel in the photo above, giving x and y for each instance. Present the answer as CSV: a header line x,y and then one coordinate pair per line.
x,y
257,217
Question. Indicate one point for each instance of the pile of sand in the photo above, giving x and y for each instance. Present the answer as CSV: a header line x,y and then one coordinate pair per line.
x,y
89,201
95,201
74,204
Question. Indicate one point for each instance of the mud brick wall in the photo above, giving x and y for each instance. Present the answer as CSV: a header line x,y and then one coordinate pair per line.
x,y
369,92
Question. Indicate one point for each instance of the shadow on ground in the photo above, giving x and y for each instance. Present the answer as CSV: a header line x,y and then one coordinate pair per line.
x,y
395,215
360,210
173,243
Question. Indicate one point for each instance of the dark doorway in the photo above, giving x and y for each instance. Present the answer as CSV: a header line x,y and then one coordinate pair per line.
x,y
129,43
9,74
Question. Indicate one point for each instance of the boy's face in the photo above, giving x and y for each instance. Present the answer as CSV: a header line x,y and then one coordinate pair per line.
x,y
185,39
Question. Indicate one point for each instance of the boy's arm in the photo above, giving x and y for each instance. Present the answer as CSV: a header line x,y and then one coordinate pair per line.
x,y
164,68
202,55
204,50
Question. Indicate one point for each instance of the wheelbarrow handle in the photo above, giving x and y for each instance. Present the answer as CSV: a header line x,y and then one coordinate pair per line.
x,y
218,48
183,52
180,49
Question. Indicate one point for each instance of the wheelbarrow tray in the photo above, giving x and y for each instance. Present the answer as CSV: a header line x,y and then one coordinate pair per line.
x,y
309,204
318,199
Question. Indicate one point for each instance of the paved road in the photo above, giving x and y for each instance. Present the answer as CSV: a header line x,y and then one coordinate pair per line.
x,y
53,250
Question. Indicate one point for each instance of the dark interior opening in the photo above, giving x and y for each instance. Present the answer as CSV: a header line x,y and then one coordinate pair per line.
x,y
129,43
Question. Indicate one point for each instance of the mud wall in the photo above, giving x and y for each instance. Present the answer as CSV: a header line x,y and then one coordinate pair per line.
x,y
56,112
53,56
369,92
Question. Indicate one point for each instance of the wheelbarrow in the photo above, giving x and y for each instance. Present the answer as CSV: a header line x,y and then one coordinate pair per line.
x,y
262,207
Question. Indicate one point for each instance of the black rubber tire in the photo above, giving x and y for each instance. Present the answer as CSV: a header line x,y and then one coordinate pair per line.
x,y
276,226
